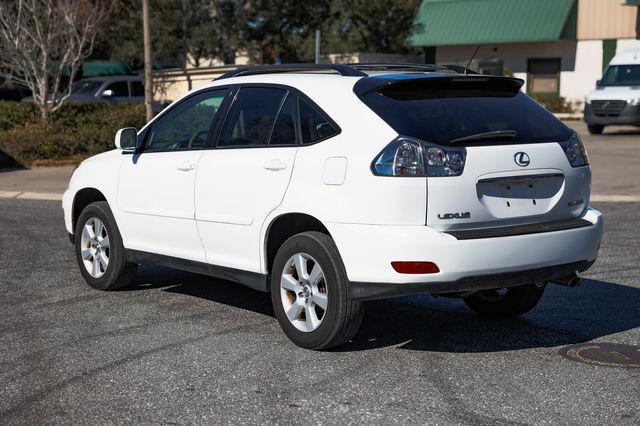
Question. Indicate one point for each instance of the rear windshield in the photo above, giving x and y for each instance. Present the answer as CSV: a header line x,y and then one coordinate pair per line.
x,y
442,114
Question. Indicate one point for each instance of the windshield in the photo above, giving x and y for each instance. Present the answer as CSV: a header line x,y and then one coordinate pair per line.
x,y
87,87
441,116
621,75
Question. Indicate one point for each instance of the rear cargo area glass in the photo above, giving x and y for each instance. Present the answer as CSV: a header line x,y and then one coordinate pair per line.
x,y
442,114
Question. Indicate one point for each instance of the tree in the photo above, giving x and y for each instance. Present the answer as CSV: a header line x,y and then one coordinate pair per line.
x,y
41,41
375,26
283,30
184,32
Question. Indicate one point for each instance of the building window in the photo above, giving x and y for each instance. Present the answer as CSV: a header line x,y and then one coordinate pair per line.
x,y
544,76
492,66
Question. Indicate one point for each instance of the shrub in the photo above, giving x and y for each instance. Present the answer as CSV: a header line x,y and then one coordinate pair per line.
x,y
13,114
75,131
553,102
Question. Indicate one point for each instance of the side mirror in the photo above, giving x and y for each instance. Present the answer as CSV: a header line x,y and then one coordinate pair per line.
x,y
108,93
598,82
127,139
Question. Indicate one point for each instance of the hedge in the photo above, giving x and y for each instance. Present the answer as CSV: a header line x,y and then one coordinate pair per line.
x,y
553,102
74,132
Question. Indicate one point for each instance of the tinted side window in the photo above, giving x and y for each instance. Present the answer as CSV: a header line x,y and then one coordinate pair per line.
x,y
137,88
313,124
187,125
120,88
252,116
284,130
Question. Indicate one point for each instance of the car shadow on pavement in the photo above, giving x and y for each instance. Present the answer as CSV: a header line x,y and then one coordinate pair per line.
x,y
563,317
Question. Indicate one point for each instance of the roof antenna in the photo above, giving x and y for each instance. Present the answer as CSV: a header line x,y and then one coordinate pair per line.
x,y
466,70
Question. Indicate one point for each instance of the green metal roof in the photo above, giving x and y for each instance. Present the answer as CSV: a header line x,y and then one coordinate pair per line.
x,y
455,22
99,68
632,2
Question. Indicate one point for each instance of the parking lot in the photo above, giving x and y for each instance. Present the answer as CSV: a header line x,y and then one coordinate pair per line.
x,y
185,348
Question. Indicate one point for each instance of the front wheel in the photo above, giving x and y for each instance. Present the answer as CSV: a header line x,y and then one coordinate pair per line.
x,y
505,302
309,292
99,249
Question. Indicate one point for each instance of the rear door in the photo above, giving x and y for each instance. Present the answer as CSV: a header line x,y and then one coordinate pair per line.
x,y
241,181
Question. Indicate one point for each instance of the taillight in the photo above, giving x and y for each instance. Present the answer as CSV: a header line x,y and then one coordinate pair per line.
x,y
574,150
411,157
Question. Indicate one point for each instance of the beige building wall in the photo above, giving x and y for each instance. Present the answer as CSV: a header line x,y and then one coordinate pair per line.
x,y
581,61
172,84
605,19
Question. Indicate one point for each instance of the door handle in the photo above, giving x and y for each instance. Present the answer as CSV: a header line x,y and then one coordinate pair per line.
x,y
186,165
275,165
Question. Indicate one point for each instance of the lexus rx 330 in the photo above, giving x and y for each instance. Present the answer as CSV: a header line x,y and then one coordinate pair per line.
x,y
330,185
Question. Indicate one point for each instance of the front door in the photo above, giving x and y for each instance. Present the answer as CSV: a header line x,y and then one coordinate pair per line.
x,y
246,177
155,189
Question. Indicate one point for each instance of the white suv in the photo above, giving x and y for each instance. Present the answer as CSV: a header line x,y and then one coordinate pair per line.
x,y
327,185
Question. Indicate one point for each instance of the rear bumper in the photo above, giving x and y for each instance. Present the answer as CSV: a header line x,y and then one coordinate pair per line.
x,y
465,264
629,115
372,291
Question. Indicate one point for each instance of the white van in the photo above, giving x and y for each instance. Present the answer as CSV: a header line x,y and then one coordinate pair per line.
x,y
616,99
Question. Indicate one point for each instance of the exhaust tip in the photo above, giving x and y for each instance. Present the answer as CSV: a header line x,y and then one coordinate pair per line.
x,y
571,281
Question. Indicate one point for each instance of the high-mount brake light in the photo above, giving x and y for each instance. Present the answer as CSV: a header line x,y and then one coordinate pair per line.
x,y
409,157
575,151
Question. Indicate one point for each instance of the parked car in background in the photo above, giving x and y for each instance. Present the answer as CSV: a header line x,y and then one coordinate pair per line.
x,y
13,92
616,99
108,90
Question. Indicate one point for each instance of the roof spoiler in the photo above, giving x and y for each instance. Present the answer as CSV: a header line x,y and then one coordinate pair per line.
x,y
424,86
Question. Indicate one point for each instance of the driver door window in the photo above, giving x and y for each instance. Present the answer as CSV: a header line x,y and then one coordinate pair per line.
x,y
187,125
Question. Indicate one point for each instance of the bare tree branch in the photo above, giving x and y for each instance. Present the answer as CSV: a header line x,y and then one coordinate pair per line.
x,y
41,41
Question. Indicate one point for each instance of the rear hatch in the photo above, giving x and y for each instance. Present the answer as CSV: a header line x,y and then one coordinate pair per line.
x,y
516,170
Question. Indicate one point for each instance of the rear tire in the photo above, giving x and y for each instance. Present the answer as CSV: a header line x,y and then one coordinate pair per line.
x,y
505,303
309,292
99,249
595,130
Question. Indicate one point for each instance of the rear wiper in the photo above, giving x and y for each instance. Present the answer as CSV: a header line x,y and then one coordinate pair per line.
x,y
496,135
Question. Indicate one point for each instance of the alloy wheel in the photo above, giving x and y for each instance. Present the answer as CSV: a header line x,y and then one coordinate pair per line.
x,y
94,247
303,291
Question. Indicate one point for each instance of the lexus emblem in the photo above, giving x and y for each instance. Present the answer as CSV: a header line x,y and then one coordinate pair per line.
x,y
522,159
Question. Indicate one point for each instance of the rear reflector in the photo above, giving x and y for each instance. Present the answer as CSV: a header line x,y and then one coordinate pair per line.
x,y
415,267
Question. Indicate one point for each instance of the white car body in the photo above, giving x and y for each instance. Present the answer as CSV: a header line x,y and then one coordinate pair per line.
x,y
217,206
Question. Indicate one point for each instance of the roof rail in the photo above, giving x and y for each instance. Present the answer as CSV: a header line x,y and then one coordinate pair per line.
x,y
345,70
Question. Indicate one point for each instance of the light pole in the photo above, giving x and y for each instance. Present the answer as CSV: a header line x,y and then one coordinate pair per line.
x,y
148,89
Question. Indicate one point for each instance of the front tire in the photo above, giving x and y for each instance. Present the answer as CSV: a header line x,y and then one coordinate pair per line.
x,y
309,292
595,130
99,249
506,302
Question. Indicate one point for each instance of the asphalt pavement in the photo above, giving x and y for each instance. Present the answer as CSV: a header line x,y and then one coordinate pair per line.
x,y
184,348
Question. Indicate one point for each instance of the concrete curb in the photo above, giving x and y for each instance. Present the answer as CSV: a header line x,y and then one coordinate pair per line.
x,y
569,115
47,196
